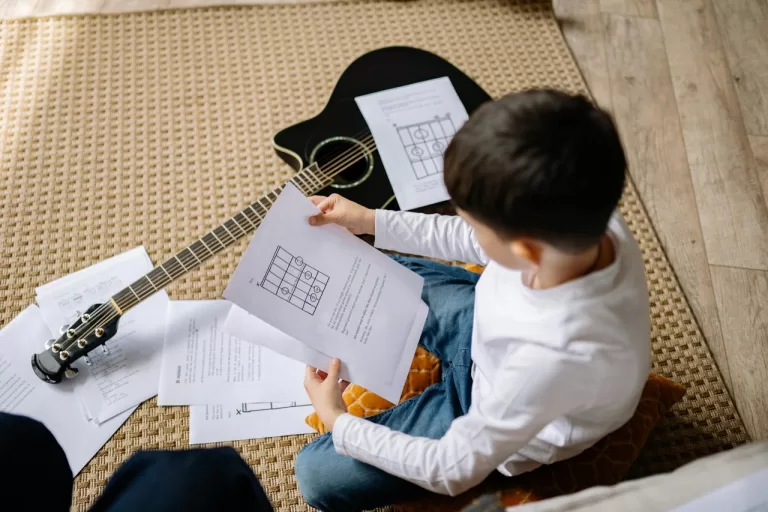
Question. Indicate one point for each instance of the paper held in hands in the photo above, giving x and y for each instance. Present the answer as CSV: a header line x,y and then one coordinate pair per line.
x,y
332,292
412,125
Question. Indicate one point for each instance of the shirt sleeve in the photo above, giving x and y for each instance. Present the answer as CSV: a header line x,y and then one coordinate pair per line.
x,y
447,237
534,386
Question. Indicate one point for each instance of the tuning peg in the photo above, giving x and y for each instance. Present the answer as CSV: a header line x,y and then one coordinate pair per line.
x,y
49,343
105,350
71,372
64,328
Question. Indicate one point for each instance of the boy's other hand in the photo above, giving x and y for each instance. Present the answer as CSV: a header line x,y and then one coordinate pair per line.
x,y
324,390
336,209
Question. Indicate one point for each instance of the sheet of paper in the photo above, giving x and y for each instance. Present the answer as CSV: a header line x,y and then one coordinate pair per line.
x,y
128,374
56,406
203,364
748,494
412,125
216,423
333,292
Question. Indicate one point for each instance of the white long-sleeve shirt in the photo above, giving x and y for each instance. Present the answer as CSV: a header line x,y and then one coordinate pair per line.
x,y
554,371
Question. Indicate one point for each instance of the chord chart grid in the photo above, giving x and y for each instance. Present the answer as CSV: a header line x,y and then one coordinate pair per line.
x,y
291,279
425,142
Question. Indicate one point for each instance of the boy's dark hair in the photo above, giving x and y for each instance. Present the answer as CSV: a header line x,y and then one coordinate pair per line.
x,y
540,164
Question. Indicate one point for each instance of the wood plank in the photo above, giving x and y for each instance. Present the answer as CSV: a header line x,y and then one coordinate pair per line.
x,y
646,8
582,26
646,115
742,299
744,30
759,147
734,216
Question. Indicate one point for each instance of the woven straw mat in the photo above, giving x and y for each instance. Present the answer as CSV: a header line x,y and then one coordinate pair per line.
x,y
150,128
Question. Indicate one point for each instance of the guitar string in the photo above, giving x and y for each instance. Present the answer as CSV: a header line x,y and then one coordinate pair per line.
x,y
348,158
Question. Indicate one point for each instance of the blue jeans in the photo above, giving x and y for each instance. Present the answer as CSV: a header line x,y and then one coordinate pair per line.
x,y
333,482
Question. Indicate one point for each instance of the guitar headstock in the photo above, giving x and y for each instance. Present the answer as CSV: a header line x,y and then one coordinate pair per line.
x,y
90,331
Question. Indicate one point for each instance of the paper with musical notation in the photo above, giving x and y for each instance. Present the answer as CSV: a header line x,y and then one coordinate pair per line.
x,y
57,407
412,126
202,364
216,423
333,293
128,374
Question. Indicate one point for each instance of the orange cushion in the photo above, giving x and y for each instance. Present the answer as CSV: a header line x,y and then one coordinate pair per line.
x,y
425,371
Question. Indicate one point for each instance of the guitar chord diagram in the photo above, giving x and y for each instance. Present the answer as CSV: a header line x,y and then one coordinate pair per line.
x,y
291,279
425,142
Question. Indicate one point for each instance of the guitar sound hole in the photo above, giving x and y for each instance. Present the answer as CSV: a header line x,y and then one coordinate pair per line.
x,y
345,155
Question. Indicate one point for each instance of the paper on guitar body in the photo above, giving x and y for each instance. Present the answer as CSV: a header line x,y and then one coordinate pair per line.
x,y
202,364
332,292
57,407
128,374
216,423
412,125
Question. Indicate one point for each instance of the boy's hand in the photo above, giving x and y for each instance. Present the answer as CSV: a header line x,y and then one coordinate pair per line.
x,y
324,390
336,209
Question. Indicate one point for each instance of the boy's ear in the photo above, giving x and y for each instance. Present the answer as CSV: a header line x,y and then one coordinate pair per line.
x,y
527,250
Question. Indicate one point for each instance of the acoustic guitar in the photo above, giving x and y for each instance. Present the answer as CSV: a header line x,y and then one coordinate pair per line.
x,y
333,152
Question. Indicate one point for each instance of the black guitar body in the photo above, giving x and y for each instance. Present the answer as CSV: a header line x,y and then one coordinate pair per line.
x,y
340,125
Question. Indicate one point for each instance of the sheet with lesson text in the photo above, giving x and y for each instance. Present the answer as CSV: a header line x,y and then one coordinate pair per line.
x,y
332,292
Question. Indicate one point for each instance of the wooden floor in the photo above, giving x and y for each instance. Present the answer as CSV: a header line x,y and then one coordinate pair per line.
x,y
687,82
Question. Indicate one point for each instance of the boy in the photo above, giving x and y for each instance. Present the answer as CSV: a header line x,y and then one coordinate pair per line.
x,y
542,355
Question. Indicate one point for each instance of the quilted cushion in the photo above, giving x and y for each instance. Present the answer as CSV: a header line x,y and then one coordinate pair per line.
x,y
425,371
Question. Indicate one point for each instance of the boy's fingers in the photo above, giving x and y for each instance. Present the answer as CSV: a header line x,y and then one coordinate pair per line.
x,y
334,370
322,219
316,200
310,374
343,385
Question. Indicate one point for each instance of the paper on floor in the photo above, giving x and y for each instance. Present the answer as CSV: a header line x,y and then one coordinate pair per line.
x,y
215,423
203,364
412,125
56,406
129,373
334,293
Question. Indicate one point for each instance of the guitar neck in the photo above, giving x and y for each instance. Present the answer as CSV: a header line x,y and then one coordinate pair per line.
x,y
309,180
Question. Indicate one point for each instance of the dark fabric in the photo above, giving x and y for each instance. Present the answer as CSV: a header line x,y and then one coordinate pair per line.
x,y
36,472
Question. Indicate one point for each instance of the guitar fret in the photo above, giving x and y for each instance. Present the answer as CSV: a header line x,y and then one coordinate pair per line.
x,y
303,186
241,227
132,291
150,281
180,263
166,272
224,225
257,213
317,180
199,262
213,232
205,245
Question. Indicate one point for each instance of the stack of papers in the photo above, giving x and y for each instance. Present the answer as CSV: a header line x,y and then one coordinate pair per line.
x,y
304,295
235,389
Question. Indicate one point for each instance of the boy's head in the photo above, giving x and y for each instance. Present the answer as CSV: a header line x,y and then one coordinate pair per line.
x,y
536,170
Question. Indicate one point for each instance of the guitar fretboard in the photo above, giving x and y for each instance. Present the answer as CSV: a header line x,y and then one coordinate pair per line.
x,y
309,180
